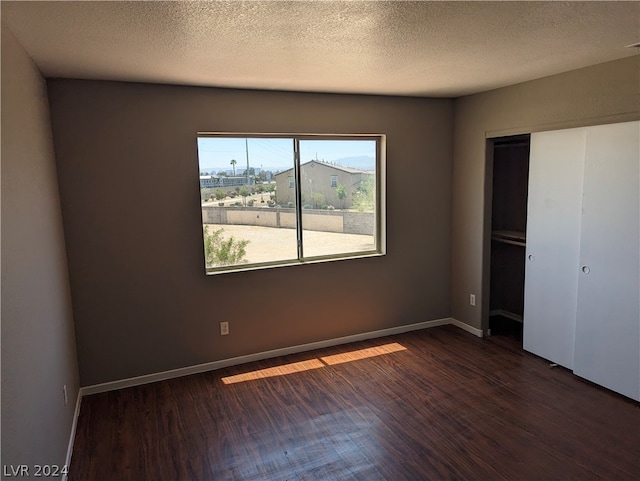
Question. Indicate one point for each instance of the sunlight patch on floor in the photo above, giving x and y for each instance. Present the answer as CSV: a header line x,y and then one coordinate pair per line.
x,y
310,364
274,371
363,353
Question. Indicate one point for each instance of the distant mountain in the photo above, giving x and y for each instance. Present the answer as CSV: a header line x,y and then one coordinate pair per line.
x,y
361,162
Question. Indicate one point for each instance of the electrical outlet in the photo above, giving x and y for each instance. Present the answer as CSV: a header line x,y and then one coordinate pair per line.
x,y
472,299
66,399
224,328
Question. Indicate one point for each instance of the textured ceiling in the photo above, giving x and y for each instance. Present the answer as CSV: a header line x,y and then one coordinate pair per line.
x,y
393,48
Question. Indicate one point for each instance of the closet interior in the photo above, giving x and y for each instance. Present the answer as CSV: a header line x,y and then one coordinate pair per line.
x,y
508,234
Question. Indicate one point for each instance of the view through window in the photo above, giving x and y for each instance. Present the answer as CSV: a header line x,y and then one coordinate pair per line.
x,y
269,200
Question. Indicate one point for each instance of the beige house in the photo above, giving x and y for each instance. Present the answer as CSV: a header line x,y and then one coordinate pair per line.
x,y
320,178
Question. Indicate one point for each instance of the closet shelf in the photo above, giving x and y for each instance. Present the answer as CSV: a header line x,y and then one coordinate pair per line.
x,y
509,237
504,313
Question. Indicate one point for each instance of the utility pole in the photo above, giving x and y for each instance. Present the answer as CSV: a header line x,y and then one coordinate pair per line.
x,y
246,149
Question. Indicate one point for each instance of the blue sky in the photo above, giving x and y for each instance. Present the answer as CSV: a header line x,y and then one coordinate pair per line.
x,y
215,153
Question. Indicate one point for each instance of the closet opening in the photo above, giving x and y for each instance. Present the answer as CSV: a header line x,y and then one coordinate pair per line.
x,y
508,180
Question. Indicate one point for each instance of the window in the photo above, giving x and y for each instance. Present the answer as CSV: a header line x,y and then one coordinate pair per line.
x,y
269,203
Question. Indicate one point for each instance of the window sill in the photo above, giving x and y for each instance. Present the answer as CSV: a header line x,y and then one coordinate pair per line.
x,y
289,263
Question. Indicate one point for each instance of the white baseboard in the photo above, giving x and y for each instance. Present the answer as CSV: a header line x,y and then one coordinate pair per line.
x,y
212,366
72,436
259,356
467,327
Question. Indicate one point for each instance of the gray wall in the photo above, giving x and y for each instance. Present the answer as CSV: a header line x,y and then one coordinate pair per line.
x,y
142,303
603,93
38,345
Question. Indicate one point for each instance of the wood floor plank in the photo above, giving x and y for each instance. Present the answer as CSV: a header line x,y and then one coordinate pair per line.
x,y
444,405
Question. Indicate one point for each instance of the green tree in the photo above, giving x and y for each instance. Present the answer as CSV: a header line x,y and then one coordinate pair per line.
x,y
233,166
270,188
219,193
219,251
341,191
364,199
244,192
318,199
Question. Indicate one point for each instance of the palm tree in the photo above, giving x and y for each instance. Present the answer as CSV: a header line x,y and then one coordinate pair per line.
x,y
233,164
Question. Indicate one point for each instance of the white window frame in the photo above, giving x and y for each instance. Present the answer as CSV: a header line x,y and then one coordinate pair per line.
x,y
380,211
334,181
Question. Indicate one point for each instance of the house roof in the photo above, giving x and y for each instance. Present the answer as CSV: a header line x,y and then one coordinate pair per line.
x,y
327,164
426,49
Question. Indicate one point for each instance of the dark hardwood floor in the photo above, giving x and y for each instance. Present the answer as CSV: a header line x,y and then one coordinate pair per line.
x,y
435,404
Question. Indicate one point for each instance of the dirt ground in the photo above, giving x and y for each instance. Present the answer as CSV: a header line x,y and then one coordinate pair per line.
x,y
270,244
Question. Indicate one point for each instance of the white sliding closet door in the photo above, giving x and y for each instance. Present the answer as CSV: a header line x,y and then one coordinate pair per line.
x,y
607,340
553,241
